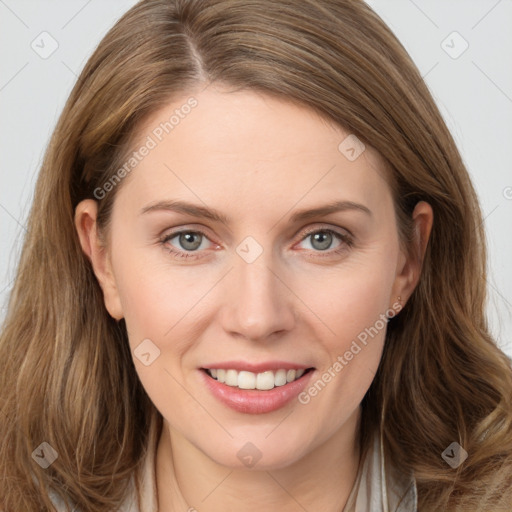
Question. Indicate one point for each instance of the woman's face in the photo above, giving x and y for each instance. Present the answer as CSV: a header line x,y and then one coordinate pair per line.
x,y
262,281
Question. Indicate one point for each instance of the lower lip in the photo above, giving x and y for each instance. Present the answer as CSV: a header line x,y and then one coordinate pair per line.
x,y
254,401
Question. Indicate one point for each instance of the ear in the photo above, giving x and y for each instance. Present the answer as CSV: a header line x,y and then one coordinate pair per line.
x,y
410,264
98,254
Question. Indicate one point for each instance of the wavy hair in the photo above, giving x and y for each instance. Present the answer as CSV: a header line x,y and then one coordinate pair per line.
x,y
67,376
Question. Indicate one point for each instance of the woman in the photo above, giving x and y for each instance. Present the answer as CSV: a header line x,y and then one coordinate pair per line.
x,y
255,266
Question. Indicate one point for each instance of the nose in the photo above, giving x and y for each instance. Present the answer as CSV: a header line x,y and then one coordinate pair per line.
x,y
258,303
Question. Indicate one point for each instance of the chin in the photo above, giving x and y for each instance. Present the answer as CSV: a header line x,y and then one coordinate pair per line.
x,y
257,453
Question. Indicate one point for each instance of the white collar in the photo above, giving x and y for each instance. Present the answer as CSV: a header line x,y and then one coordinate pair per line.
x,y
381,488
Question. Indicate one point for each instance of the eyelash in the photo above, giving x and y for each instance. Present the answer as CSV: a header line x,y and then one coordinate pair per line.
x,y
347,243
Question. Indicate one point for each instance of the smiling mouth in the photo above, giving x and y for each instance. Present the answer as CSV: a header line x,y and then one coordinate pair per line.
x,y
260,381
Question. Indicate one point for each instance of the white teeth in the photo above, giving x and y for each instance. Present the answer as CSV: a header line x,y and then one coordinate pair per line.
x,y
280,378
265,380
231,378
249,380
246,380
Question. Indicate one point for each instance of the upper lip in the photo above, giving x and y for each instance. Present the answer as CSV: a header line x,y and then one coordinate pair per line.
x,y
256,367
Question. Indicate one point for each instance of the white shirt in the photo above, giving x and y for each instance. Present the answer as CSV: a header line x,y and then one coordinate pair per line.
x,y
369,493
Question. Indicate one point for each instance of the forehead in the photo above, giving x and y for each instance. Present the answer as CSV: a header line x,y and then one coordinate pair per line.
x,y
247,146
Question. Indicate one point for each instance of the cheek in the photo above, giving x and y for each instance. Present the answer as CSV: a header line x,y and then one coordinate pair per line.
x,y
156,307
355,312
354,297
143,308
154,297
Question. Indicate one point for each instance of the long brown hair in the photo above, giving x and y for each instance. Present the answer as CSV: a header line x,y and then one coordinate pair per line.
x,y
67,376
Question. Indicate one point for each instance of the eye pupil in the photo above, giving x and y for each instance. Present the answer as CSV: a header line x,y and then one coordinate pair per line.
x,y
324,238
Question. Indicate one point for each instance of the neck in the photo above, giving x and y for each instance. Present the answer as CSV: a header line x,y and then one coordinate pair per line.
x,y
187,479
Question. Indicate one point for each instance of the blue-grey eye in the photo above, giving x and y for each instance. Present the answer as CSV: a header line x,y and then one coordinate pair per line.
x,y
321,240
190,241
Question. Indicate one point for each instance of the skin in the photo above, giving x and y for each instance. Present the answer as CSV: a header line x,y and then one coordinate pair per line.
x,y
257,160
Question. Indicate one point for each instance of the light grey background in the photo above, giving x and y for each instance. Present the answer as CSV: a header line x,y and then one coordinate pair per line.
x,y
472,88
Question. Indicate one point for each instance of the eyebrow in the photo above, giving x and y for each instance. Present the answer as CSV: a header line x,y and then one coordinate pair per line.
x,y
214,215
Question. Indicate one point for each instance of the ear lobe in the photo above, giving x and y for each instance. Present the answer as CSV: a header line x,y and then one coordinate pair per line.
x,y
412,262
98,255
